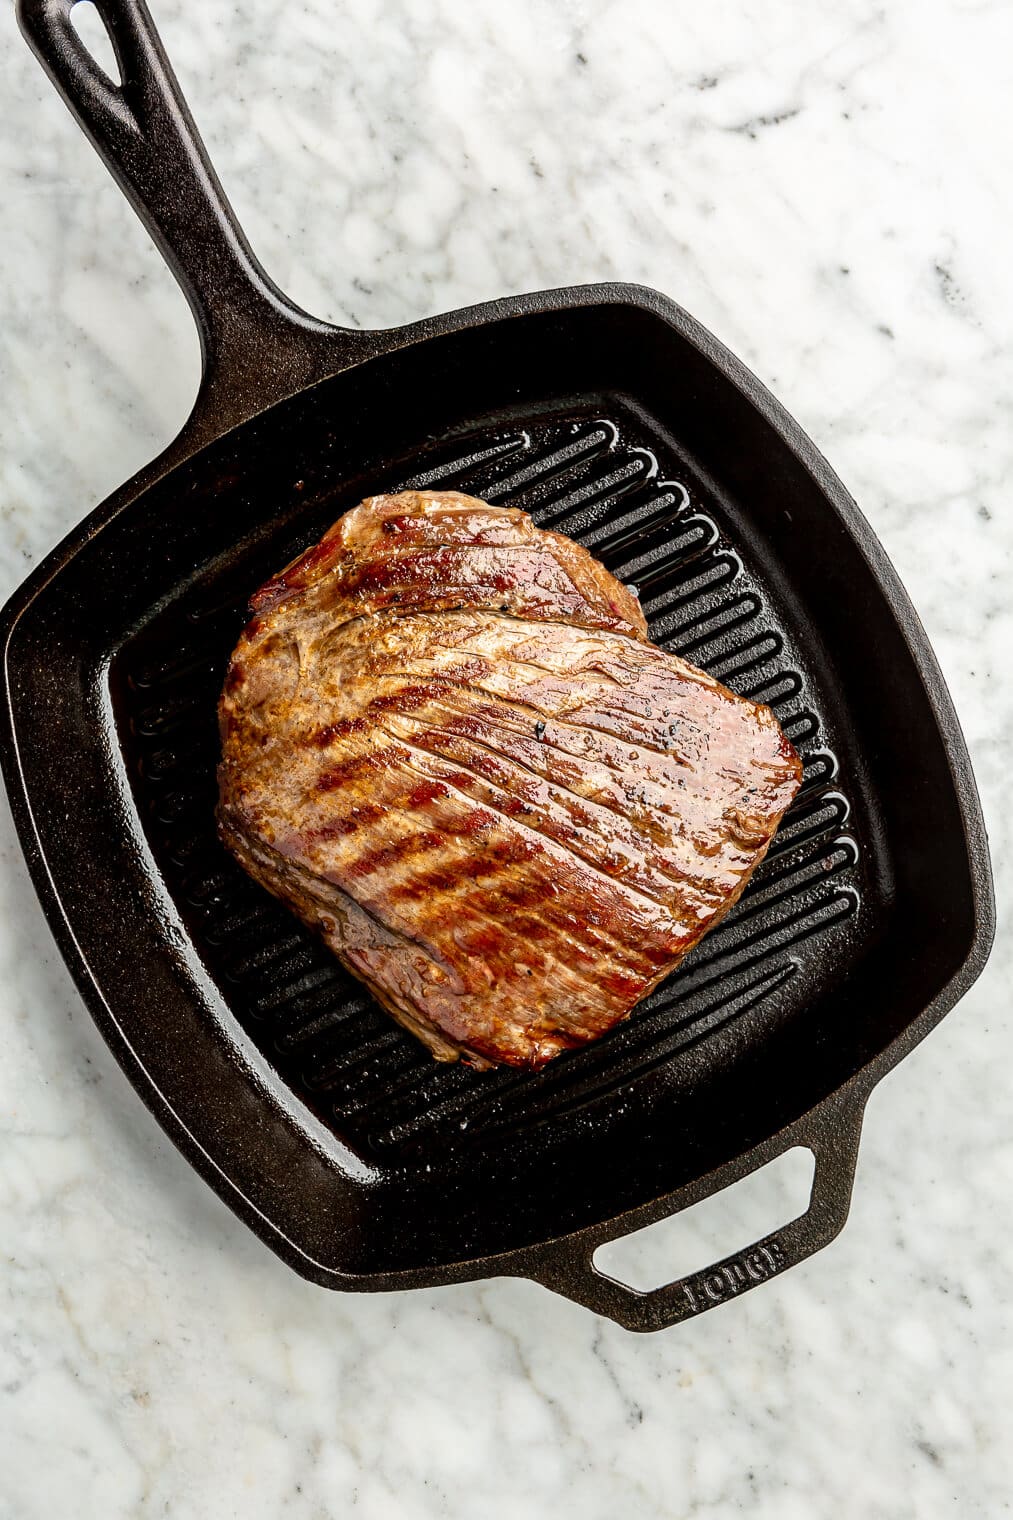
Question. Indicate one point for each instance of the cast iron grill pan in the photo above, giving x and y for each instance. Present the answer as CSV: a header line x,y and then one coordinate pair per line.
x,y
609,415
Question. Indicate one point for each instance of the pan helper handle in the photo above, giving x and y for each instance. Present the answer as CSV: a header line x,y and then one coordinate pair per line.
x,y
832,1132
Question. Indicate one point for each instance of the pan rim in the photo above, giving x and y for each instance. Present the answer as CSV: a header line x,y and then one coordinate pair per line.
x,y
186,447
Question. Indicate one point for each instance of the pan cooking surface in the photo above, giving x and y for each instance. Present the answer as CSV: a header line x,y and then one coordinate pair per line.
x,y
606,481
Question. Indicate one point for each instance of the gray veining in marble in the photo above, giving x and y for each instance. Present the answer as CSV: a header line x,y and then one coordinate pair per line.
x,y
827,188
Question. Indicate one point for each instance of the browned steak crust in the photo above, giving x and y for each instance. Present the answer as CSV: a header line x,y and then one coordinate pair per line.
x,y
449,747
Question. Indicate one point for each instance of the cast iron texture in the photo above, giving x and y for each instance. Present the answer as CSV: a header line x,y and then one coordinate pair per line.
x,y
608,413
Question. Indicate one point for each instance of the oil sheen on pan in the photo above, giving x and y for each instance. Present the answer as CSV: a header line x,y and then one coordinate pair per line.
x,y
450,748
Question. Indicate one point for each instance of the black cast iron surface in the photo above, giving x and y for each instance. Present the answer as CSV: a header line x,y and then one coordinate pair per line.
x,y
598,479
610,415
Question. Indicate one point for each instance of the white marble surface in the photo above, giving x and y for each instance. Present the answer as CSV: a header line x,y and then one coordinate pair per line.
x,y
828,188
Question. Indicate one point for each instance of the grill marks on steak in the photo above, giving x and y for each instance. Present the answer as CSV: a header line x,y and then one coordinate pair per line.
x,y
449,747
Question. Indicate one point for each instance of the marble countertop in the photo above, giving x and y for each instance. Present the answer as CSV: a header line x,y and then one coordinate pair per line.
x,y
827,189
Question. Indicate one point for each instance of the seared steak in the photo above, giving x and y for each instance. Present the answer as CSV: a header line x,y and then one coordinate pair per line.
x,y
448,746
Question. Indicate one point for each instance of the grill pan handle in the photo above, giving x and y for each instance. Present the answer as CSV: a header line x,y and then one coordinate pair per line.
x,y
832,1132
252,336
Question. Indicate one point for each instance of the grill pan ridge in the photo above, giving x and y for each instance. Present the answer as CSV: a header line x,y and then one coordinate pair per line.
x,y
610,415
359,1072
